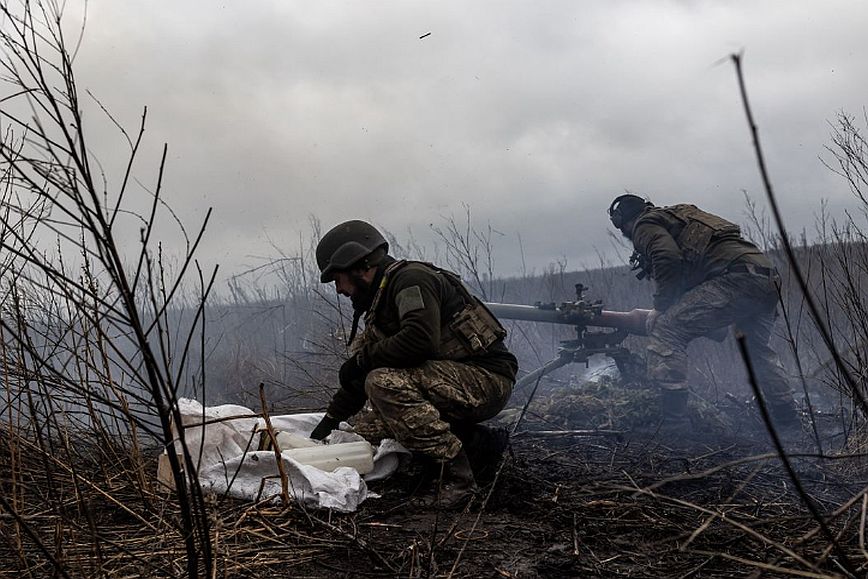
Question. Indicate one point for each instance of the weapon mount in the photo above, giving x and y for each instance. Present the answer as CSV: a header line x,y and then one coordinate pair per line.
x,y
582,315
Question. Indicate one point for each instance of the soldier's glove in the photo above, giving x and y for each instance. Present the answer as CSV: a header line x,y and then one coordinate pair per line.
x,y
651,320
352,373
325,427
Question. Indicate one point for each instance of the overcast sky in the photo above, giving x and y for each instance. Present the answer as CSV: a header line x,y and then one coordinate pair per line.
x,y
535,114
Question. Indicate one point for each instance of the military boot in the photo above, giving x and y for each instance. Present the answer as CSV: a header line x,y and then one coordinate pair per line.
x,y
457,484
484,446
673,412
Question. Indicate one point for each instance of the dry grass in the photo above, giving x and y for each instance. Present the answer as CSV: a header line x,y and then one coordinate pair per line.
x,y
598,506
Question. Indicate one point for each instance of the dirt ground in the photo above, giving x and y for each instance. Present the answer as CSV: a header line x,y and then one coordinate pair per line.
x,y
578,493
578,505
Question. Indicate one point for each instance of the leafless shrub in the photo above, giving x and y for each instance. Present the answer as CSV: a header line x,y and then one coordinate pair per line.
x,y
93,360
469,251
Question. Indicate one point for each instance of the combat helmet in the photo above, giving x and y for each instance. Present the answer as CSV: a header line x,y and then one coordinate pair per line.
x,y
346,245
626,207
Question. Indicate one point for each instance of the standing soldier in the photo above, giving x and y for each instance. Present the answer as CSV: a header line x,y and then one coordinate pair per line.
x,y
431,359
708,277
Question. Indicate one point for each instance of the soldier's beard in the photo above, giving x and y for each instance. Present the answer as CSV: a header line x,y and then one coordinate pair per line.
x,y
363,296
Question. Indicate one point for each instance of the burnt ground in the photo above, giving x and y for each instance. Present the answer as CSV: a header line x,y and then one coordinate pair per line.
x,y
609,503
610,506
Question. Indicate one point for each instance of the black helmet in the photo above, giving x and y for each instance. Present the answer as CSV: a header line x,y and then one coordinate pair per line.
x,y
626,207
346,245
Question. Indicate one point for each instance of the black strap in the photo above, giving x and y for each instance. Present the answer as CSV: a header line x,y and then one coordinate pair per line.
x,y
381,288
750,268
357,315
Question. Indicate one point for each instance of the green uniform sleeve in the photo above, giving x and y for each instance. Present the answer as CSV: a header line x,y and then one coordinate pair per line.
x,y
413,298
667,264
347,401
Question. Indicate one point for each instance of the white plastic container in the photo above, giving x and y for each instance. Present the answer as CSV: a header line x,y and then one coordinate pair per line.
x,y
288,441
328,457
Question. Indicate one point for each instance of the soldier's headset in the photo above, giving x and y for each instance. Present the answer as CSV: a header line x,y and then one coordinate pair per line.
x,y
617,215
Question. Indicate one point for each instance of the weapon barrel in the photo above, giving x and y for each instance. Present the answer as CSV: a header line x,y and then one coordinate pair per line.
x,y
527,313
632,321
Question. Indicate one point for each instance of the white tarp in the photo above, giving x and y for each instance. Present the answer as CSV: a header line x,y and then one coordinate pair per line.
x,y
223,440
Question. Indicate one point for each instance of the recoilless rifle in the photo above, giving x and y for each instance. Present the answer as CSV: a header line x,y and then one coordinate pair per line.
x,y
587,317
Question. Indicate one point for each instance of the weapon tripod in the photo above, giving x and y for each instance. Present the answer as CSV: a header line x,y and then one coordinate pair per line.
x,y
582,315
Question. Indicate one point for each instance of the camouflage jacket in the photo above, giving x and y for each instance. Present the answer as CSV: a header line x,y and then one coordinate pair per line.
x,y
409,319
684,246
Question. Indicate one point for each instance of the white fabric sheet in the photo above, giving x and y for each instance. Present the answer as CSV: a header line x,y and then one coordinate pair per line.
x,y
230,464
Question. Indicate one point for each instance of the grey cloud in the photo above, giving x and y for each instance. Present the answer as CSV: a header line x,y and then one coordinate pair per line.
x,y
533,114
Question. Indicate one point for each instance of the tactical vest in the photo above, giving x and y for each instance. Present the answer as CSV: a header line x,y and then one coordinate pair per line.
x,y
699,229
471,331
694,231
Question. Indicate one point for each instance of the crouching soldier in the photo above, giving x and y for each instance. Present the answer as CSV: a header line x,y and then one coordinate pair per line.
x,y
431,359
707,277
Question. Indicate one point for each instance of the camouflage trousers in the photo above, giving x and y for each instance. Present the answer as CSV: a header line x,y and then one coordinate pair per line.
x,y
745,300
418,405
